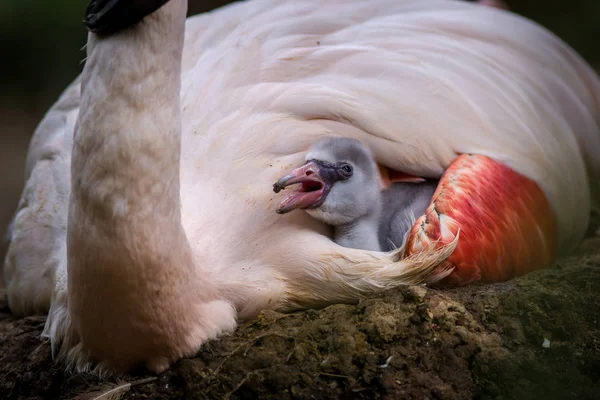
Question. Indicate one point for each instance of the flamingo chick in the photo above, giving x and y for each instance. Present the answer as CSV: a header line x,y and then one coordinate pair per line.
x,y
339,185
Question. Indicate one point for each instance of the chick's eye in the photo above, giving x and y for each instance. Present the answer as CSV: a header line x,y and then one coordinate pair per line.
x,y
346,169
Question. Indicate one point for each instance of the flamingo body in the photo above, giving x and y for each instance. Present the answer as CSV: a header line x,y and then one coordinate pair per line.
x,y
158,230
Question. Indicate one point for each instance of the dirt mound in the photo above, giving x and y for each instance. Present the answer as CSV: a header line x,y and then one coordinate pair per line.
x,y
533,337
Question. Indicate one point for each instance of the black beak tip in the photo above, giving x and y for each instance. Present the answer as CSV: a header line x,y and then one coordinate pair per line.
x,y
111,16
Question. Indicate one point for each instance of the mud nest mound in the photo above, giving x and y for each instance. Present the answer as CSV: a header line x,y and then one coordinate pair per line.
x,y
533,337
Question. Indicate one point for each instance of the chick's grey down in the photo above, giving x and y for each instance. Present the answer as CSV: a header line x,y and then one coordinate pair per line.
x,y
362,214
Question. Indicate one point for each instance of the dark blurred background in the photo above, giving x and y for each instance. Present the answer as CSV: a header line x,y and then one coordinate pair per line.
x,y
41,54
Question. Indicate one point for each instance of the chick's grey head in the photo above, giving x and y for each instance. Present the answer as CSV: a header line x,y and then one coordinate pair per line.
x,y
339,182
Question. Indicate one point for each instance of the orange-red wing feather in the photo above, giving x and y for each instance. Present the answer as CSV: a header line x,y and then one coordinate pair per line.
x,y
507,227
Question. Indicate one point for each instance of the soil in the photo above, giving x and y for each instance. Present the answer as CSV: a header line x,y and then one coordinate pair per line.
x,y
535,337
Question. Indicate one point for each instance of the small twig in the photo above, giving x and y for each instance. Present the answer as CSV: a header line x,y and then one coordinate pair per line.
x,y
225,358
239,385
249,346
334,375
256,339
287,359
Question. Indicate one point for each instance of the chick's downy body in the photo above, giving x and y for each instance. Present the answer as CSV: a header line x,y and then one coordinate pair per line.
x,y
341,186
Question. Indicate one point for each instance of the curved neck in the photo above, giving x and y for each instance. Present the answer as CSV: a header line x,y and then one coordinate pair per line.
x,y
133,286
127,144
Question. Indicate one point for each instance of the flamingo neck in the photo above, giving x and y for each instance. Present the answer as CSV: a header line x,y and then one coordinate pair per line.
x,y
130,267
127,145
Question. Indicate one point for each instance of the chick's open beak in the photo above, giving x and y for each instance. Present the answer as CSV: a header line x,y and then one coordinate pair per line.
x,y
310,194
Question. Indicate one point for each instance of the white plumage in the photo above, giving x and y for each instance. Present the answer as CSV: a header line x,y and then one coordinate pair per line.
x,y
424,81
419,81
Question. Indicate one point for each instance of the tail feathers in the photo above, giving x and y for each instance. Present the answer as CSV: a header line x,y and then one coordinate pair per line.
x,y
427,267
347,276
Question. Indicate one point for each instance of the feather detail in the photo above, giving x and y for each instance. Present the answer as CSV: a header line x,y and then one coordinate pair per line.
x,y
111,391
509,228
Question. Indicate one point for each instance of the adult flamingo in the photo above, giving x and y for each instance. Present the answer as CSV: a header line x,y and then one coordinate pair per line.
x,y
152,228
